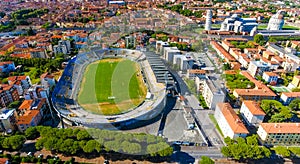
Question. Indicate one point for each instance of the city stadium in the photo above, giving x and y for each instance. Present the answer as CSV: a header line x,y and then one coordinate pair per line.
x,y
111,88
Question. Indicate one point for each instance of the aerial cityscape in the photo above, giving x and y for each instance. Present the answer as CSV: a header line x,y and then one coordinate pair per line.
x,y
149,81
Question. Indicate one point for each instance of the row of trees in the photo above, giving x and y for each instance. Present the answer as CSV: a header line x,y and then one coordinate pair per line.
x,y
7,27
28,13
287,151
12,143
243,45
244,149
275,111
91,141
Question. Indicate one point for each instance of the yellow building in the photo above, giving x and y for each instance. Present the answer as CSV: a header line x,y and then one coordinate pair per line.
x,y
296,81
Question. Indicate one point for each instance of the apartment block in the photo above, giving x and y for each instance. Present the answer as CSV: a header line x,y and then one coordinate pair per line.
x,y
212,94
279,133
229,122
252,113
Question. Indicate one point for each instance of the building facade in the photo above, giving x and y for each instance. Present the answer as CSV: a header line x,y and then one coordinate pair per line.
x,y
252,113
229,122
212,94
279,133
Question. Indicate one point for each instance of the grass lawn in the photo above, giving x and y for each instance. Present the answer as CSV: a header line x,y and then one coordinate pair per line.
x,y
213,119
112,86
285,27
216,25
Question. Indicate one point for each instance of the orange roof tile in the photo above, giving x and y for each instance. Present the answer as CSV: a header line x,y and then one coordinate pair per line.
x,y
26,104
232,118
271,74
197,71
223,51
291,94
281,127
27,117
236,39
254,107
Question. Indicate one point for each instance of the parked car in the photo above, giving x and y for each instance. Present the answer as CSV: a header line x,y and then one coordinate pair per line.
x,y
186,143
177,142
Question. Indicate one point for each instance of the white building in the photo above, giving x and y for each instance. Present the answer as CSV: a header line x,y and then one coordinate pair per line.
x,y
276,22
212,94
252,113
257,68
287,97
7,120
229,122
169,53
181,61
159,46
270,77
279,133
22,83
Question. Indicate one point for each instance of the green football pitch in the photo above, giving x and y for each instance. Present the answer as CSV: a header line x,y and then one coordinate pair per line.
x,y
112,86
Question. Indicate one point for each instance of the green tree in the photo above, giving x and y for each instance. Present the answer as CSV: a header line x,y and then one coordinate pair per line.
x,y
296,90
90,146
252,140
226,151
283,151
259,39
83,135
206,160
31,133
14,142
295,104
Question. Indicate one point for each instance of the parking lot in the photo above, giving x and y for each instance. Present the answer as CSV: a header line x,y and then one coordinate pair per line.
x,y
176,128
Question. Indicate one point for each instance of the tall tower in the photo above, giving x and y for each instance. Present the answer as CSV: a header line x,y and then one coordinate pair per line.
x,y
208,20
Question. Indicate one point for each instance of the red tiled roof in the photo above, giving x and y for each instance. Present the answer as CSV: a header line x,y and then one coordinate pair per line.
x,y
232,118
281,127
254,107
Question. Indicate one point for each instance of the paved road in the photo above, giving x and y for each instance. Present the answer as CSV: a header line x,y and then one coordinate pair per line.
x,y
201,115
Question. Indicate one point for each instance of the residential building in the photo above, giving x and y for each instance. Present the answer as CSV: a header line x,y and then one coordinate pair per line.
x,y
130,41
279,134
21,83
29,119
296,82
181,61
252,113
254,94
260,92
36,92
7,120
212,93
169,53
47,80
6,67
60,49
193,73
229,122
287,97
38,53
64,46
30,113
257,68
8,94
270,77
159,46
